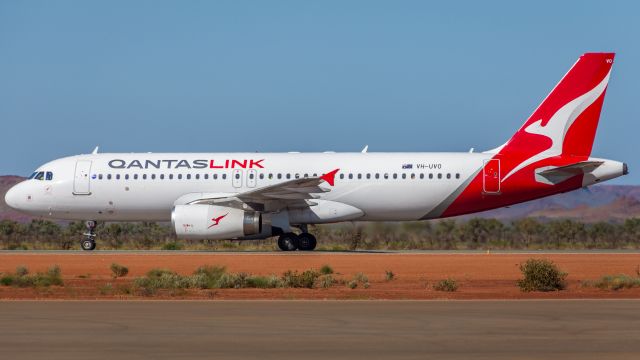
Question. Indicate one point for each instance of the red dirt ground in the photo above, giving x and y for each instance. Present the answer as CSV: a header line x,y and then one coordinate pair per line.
x,y
480,276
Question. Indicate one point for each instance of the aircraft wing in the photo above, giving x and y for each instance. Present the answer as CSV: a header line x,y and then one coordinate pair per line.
x,y
291,193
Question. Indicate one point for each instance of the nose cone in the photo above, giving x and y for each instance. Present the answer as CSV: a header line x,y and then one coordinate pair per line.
x,y
12,198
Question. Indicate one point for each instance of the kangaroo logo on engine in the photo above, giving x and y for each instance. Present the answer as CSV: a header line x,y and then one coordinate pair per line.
x,y
216,220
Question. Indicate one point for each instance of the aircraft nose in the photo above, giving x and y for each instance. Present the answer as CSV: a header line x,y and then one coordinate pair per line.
x,y
12,198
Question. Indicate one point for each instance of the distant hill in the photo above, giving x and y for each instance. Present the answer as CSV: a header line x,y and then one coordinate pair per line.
x,y
598,203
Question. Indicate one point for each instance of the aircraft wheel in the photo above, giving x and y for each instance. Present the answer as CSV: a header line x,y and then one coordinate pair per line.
x,y
306,242
288,242
88,245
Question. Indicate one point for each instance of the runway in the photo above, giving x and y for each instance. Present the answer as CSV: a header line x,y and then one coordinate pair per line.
x,y
567,329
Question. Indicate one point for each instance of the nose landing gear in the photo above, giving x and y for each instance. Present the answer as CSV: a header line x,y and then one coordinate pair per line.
x,y
89,241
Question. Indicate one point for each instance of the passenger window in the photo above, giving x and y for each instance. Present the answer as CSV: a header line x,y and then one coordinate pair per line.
x,y
306,175
359,176
99,176
315,175
215,176
395,176
224,176
179,176
188,176
341,176
197,176
404,176
135,176
206,176
457,175
297,176
144,176
251,176
350,176
288,176
170,176
153,176
126,177
377,176
108,176
161,176
386,176
117,176
448,176
270,176
261,176
439,176
279,176
237,176
413,176
421,176
430,176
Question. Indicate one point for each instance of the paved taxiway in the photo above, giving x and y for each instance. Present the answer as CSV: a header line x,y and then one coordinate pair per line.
x,y
586,329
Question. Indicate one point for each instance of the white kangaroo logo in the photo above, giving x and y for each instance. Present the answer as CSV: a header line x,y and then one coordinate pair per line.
x,y
557,127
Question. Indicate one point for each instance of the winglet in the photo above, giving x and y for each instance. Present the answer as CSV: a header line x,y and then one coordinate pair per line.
x,y
330,177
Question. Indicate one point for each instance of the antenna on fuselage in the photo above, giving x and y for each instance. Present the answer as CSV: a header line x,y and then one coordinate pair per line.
x,y
95,151
366,148
471,150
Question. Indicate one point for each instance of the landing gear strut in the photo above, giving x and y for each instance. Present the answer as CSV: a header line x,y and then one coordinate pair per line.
x,y
89,241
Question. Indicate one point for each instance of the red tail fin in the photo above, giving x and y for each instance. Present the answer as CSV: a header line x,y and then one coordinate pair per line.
x,y
565,123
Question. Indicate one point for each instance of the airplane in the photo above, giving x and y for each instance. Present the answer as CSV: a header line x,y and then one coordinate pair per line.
x,y
248,196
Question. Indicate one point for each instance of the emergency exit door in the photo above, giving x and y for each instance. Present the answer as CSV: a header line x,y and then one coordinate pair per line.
x,y
491,176
81,182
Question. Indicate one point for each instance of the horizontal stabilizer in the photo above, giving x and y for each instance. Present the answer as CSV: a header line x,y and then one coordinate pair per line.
x,y
554,175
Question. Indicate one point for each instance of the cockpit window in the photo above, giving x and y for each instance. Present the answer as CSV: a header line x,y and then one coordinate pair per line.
x,y
42,175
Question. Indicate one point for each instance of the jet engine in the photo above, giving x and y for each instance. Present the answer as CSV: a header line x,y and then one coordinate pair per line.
x,y
214,222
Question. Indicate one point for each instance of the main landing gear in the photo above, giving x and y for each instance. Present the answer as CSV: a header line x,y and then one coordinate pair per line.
x,y
291,242
89,241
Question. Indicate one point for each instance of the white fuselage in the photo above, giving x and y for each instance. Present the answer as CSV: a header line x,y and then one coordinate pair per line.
x,y
132,187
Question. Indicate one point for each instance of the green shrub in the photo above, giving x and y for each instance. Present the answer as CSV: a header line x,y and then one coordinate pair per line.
x,y
6,280
118,270
389,275
264,282
615,282
22,278
541,275
156,273
326,270
325,281
448,284
22,270
172,246
105,289
296,280
361,278
352,284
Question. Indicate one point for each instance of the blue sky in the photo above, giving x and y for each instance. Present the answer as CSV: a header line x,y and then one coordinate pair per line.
x,y
300,76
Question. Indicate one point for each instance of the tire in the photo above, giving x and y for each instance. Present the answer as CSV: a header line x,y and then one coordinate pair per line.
x,y
306,242
87,245
288,242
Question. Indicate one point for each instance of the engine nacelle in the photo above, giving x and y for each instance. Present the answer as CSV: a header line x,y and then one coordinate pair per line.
x,y
214,222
